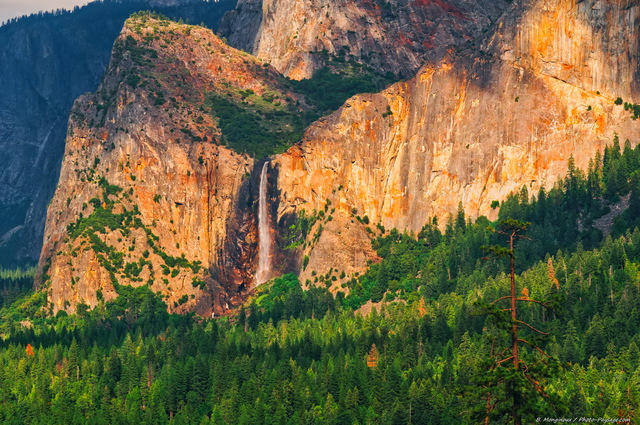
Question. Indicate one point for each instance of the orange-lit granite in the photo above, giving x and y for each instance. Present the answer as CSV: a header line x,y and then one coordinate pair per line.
x,y
167,159
475,128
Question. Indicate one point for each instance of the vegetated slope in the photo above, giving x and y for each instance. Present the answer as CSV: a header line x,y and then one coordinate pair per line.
x,y
148,193
488,120
396,36
46,62
306,357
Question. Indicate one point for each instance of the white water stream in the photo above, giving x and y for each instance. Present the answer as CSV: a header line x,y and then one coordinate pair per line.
x,y
264,236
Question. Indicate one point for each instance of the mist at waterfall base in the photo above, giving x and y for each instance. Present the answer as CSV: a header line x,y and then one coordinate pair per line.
x,y
264,237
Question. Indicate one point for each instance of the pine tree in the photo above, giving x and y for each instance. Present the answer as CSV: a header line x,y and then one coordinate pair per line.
x,y
461,222
511,388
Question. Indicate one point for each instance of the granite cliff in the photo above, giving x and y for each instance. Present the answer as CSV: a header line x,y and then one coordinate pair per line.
x,y
148,192
396,36
46,61
493,117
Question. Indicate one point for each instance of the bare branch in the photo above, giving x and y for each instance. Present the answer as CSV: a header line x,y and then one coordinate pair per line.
x,y
537,386
501,298
535,301
532,328
504,360
505,350
534,346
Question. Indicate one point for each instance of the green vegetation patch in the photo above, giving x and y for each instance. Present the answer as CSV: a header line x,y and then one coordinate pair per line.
x,y
297,233
270,123
332,85
284,298
136,304
634,108
250,124
14,283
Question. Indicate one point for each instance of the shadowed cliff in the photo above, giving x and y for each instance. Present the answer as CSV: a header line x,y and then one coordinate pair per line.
x,y
398,36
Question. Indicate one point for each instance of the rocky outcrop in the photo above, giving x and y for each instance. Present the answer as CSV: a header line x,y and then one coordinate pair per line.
x,y
148,194
397,36
491,119
46,62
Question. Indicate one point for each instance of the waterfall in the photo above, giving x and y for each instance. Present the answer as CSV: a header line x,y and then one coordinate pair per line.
x,y
264,237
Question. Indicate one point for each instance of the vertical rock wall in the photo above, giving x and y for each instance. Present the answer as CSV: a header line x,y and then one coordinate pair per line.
x,y
395,36
472,129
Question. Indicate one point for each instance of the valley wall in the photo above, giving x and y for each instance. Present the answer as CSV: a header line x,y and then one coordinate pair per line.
x,y
149,193
485,122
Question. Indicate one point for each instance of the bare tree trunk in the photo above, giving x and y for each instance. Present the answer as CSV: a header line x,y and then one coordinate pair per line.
x,y
514,332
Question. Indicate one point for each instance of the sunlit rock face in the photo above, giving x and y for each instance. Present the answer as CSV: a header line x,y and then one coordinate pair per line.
x,y
46,62
593,45
483,123
148,195
397,36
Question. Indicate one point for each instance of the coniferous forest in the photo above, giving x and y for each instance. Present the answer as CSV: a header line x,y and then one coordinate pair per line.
x,y
276,140
425,336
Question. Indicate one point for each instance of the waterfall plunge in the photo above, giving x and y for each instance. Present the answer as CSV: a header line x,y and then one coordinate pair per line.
x,y
264,237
